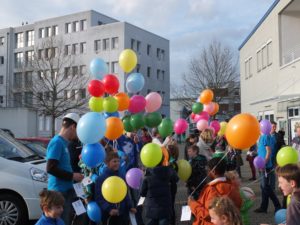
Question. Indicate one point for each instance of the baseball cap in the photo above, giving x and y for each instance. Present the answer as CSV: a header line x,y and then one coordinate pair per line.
x,y
73,116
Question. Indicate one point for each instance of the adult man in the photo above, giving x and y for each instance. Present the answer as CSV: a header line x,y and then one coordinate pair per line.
x,y
59,168
277,141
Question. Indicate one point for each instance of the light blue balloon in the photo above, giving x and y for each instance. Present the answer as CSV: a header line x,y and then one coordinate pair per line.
x,y
91,127
135,82
98,68
93,155
93,211
113,114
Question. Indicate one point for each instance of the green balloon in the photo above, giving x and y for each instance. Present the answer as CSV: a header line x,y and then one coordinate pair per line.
x,y
110,104
165,128
184,169
126,123
287,155
151,155
137,121
197,107
152,119
96,104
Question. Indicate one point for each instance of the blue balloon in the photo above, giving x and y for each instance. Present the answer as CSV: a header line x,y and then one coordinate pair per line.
x,y
93,211
135,82
280,216
113,114
98,68
91,128
93,155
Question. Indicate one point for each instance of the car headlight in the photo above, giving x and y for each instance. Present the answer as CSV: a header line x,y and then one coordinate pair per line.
x,y
38,175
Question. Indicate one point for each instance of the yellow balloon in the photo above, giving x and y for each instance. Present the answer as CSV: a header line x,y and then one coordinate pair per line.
x,y
222,128
114,189
184,169
96,104
127,60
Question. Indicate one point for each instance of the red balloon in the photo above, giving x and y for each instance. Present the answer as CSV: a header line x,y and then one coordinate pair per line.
x,y
111,84
96,88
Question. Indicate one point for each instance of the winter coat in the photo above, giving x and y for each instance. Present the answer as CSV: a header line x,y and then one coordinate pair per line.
x,y
205,149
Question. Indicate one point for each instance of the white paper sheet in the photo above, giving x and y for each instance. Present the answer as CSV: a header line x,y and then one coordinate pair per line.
x,y
132,218
79,189
185,213
78,207
141,201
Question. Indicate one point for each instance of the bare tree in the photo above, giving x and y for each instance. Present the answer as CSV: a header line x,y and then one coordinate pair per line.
x,y
54,82
214,68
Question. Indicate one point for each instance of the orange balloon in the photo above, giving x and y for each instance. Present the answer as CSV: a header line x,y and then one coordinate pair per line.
x,y
114,128
242,131
206,96
123,101
166,156
216,109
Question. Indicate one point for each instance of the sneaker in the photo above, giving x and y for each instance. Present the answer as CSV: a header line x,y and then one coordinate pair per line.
x,y
259,210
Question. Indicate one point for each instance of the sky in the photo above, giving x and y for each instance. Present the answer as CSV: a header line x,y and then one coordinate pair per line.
x,y
189,25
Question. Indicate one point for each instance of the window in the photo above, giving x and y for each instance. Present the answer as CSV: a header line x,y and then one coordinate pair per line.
x,y
100,23
76,26
48,32
1,79
75,49
41,33
259,60
158,74
29,57
1,60
138,68
41,123
236,92
72,97
47,95
264,57
132,44
158,52
17,99
18,59
163,95
106,44
20,40
40,53
250,67
74,70
82,69
65,94
83,24
148,49
40,96
68,28
162,54
48,122
55,30
97,45
114,67
54,74
162,75
148,71
28,79
82,93
67,49
2,39
30,38
48,53
269,53
67,72
17,80
138,46
1,99
83,47
28,98
115,43
41,75
246,69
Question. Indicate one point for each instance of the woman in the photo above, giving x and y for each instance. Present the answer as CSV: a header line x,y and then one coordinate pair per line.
x,y
205,142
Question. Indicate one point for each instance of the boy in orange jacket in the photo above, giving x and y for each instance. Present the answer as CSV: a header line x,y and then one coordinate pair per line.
x,y
219,186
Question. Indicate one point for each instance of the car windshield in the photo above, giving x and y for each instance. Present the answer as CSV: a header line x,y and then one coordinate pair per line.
x,y
12,149
37,148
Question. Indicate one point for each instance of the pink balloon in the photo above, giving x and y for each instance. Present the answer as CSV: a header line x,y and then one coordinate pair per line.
x,y
202,125
153,102
204,116
197,117
193,116
216,125
137,104
209,108
180,126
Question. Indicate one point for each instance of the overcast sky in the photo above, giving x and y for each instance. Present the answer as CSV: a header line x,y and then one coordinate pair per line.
x,y
188,24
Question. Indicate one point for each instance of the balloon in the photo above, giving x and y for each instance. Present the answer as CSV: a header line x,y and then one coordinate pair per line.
x,y
126,123
135,82
180,126
114,128
222,130
259,162
111,84
127,60
151,155
215,124
123,101
96,88
265,126
184,169
165,128
93,155
216,108
152,119
206,96
209,108
137,121
153,102
113,114
114,189
197,107
166,156
202,125
110,104
98,68
202,116
287,155
137,104
91,128
242,131
93,211
280,216
134,178
192,116
248,192
96,104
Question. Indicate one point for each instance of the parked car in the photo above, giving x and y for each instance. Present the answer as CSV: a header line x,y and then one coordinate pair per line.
x,y
23,176
37,140
36,147
8,131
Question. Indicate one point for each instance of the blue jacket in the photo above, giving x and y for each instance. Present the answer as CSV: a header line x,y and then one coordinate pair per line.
x,y
49,221
122,169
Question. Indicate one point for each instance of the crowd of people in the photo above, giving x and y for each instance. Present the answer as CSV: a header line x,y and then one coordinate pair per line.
x,y
214,192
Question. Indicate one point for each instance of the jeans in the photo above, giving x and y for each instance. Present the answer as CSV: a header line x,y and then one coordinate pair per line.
x,y
68,213
267,178
164,221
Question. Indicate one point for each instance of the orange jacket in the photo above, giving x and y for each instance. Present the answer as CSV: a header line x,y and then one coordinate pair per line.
x,y
216,188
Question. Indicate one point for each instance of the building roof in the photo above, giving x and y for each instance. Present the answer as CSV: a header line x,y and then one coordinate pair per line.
x,y
259,23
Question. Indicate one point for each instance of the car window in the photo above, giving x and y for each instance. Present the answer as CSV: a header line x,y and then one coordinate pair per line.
x,y
37,148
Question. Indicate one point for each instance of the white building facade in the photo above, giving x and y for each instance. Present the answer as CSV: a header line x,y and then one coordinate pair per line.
x,y
270,66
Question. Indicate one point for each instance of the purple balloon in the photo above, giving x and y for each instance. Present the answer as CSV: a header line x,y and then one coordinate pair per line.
x,y
259,162
265,126
137,104
134,178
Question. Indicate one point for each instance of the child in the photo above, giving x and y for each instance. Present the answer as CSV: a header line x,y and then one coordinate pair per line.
x,y
191,140
289,182
112,214
198,164
219,186
222,211
205,142
51,203
247,203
